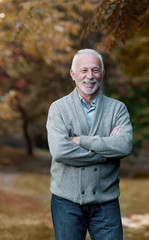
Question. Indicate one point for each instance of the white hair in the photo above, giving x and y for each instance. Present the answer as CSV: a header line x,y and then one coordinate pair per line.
x,y
83,51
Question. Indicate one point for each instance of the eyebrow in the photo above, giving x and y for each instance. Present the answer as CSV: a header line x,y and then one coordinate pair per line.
x,y
94,68
91,68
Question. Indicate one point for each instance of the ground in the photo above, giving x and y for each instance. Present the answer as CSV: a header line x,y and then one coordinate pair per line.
x,y
25,198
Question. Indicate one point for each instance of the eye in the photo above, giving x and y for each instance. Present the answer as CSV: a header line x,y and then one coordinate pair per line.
x,y
83,71
96,71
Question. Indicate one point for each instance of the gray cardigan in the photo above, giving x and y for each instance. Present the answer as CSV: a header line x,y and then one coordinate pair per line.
x,y
88,173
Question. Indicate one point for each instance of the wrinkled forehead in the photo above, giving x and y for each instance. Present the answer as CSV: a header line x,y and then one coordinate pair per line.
x,y
87,60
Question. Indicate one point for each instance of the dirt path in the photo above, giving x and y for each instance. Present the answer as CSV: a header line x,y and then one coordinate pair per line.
x,y
136,221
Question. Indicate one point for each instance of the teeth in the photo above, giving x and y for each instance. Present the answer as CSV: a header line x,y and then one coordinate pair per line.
x,y
89,82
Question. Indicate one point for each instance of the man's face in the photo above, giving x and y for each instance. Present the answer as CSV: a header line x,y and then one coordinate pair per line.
x,y
88,74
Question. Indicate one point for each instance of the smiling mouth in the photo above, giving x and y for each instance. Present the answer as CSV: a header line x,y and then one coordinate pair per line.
x,y
89,85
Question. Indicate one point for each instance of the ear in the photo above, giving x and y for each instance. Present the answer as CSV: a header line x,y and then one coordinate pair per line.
x,y
72,74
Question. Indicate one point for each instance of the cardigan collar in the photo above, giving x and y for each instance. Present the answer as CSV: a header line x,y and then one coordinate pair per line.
x,y
81,114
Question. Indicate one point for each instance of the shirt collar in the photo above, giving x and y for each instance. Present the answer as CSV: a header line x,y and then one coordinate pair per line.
x,y
93,103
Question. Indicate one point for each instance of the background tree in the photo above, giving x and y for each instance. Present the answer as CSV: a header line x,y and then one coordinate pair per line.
x,y
36,56
119,20
125,26
38,40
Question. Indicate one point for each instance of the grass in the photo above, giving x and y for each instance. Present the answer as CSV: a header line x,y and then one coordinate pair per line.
x,y
25,208
23,232
134,200
134,196
25,200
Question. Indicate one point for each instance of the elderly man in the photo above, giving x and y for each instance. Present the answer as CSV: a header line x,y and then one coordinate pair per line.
x,y
88,134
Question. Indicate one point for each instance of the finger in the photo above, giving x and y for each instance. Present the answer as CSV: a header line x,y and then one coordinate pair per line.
x,y
115,131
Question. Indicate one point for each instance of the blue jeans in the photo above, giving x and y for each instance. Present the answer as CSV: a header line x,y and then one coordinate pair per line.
x,y
71,220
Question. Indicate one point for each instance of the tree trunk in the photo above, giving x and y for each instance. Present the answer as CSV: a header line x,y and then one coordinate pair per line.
x,y
27,136
25,125
16,105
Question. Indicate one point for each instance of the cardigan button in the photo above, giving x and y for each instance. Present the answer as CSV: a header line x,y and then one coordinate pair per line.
x,y
95,169
83,192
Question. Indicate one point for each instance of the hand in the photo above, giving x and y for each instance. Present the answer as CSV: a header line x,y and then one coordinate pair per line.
x,y
115,131
76,140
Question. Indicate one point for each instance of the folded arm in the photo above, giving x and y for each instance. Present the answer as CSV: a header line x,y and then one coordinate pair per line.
x,y
115,132
117,145
62,149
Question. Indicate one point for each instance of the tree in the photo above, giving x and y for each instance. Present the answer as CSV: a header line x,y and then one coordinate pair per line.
x,y
119,20
133,58
38,39
125,25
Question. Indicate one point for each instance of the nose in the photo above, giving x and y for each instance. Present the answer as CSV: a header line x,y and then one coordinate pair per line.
x,y
89,74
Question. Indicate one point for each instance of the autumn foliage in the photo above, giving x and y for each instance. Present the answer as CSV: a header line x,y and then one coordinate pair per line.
x,y
38,40
119,20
